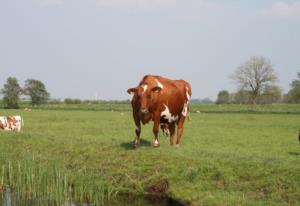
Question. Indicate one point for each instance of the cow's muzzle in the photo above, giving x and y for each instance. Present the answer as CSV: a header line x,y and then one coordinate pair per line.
x,y
144,111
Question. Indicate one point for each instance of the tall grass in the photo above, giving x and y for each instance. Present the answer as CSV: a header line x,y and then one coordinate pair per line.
x,y
49,183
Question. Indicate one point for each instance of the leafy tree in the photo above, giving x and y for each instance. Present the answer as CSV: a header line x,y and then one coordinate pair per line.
x,y
294,93
254,75
11,93
223,97
36,90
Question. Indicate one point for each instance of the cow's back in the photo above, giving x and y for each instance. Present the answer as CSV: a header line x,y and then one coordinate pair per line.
x,y
171,96
184,87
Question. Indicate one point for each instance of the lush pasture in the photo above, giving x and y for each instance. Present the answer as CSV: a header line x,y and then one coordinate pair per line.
x,y
86,155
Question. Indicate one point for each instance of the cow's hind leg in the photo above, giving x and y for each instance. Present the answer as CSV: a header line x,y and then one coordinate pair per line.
x,y
180,126
172,132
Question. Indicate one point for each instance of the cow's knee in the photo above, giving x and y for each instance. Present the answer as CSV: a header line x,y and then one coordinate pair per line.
x,y
155,132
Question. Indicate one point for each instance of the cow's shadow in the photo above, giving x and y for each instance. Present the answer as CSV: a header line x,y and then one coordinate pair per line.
x,y
294,153
129,145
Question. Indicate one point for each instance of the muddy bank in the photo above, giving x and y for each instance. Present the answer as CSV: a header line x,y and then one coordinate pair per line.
x,y
157,195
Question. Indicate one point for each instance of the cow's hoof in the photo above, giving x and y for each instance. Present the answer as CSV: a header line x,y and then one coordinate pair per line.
x,y
136,144
177,145
155,143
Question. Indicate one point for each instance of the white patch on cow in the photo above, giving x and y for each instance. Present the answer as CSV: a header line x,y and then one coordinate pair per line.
x,y
156,143
159,84
145,87
19,122
166,114
188,96
185,109
185,106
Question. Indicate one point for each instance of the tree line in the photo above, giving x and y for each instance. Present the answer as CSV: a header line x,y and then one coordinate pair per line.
x,y
33,88
256,81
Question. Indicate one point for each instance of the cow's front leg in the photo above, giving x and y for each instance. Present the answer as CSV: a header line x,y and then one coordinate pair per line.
x,y
156,129
137,140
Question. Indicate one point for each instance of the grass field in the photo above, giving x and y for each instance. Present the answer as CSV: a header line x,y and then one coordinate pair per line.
x,y
227,157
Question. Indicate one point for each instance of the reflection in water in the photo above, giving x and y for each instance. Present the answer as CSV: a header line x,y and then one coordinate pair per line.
x,y
9,199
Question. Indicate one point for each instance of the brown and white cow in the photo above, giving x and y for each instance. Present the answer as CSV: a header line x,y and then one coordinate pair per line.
x,y
164,101
11,123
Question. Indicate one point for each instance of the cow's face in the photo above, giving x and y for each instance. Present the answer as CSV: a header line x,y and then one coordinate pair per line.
x,y
144,94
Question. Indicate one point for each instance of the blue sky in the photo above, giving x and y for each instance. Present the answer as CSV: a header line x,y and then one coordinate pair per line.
x,y
82,47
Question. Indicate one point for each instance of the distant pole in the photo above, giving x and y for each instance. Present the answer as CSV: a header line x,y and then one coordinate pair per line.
x,y
96,96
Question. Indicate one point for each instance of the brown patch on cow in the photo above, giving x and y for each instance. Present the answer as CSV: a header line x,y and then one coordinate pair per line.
x,y
11,121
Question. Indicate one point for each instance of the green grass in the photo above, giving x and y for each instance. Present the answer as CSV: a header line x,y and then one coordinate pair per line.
x,y
253,109
195,107
87,156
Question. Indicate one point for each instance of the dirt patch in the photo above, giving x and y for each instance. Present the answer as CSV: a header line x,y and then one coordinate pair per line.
x,y
158,189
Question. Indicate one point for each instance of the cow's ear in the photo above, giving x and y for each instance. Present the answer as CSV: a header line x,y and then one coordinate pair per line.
x,y
156,89
131,90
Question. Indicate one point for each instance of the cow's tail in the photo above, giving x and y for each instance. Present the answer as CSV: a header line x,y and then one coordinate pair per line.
x,y
189,116
188,90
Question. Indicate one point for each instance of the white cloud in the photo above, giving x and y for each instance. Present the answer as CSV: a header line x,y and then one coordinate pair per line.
x,y
283,10
45,3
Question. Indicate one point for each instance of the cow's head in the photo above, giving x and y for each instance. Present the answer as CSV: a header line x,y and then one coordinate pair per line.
x,y
146,94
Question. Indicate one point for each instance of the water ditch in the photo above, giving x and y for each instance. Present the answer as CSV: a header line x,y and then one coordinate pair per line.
x,y
9,198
